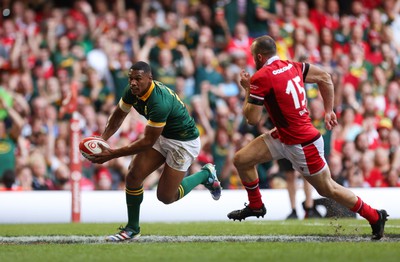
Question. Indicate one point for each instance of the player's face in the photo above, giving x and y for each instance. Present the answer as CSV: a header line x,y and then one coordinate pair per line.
x,y
258,58
259,61
139,82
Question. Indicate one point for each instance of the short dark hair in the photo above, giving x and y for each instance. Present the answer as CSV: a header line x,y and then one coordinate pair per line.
x,y
143,66
264,45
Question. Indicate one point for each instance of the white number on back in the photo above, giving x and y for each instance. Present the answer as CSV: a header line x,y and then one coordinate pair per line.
x,y
291,87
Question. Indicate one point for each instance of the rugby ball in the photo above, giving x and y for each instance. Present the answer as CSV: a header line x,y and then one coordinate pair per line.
x,y
90,145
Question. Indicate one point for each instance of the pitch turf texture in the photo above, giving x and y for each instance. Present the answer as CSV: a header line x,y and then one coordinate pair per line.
x,y
251,240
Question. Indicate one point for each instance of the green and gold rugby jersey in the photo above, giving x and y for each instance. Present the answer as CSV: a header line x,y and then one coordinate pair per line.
x,y
162,108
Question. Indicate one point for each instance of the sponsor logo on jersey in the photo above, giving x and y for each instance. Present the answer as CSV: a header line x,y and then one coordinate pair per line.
x,y
282,70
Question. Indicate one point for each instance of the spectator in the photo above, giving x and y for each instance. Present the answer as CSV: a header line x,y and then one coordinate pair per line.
x,y
43,50
119,72
343,33
382,160
41,177
287,23
355,178
372,175
97,92
8,181
336,167
392,100
258,16
394,150
24,178
370,128
379,85
102,178
240,43
374,37
317,14
332,15
10,129
229,87
392,18
298,50
358,15
206,74
167,71
392,179
63,58
281,45
383,128
347,128
302,19
390,62
396,122
327,61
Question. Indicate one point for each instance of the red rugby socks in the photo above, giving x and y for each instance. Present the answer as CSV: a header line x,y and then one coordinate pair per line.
x,y
253,192
365,211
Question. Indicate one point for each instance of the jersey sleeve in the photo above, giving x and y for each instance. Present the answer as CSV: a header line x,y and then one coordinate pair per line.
x,y
158,114
306,67
303,67
124,106
126,101
257,90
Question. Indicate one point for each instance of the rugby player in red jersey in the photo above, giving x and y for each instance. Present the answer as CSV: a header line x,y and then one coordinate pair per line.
x,y
278,86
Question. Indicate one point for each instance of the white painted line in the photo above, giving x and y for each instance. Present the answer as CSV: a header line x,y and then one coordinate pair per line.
x,y
168,239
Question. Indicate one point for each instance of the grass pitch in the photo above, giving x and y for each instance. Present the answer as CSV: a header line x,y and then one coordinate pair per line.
x,y
252,240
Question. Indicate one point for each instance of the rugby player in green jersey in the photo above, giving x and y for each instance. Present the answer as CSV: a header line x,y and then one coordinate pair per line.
x,y
170,137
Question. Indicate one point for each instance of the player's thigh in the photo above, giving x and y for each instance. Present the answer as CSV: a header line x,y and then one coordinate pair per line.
x,y
142,165
253,153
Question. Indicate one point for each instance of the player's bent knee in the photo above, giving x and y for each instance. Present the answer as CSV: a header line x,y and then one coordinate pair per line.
x,y
166,199
239,161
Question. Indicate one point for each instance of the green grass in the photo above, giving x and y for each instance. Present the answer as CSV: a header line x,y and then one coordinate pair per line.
x,y
278,250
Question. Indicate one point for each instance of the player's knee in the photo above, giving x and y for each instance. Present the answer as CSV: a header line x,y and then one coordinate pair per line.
x,y
238,161
165,198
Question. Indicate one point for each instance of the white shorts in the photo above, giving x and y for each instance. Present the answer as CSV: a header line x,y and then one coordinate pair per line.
x,y
178,154
308,159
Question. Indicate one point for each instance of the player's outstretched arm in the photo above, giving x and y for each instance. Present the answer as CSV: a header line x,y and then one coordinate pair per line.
x,y
151,134
324,81
114,122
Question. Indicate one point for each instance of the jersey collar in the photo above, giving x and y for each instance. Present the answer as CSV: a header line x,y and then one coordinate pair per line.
x,y
148,93
271,60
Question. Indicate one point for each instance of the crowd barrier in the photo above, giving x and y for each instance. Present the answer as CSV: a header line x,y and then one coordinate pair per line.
x,y
109,206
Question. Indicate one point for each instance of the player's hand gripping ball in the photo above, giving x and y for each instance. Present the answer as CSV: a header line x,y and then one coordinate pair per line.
x,y
90,145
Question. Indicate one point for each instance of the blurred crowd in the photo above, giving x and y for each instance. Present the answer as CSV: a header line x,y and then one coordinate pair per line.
x,y
196,48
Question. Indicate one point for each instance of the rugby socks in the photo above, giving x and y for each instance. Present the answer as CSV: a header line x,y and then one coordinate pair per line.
x,y
365,211
134,197
190,182
253,192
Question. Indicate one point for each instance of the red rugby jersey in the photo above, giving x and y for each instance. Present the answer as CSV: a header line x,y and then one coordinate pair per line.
x,y
279,86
